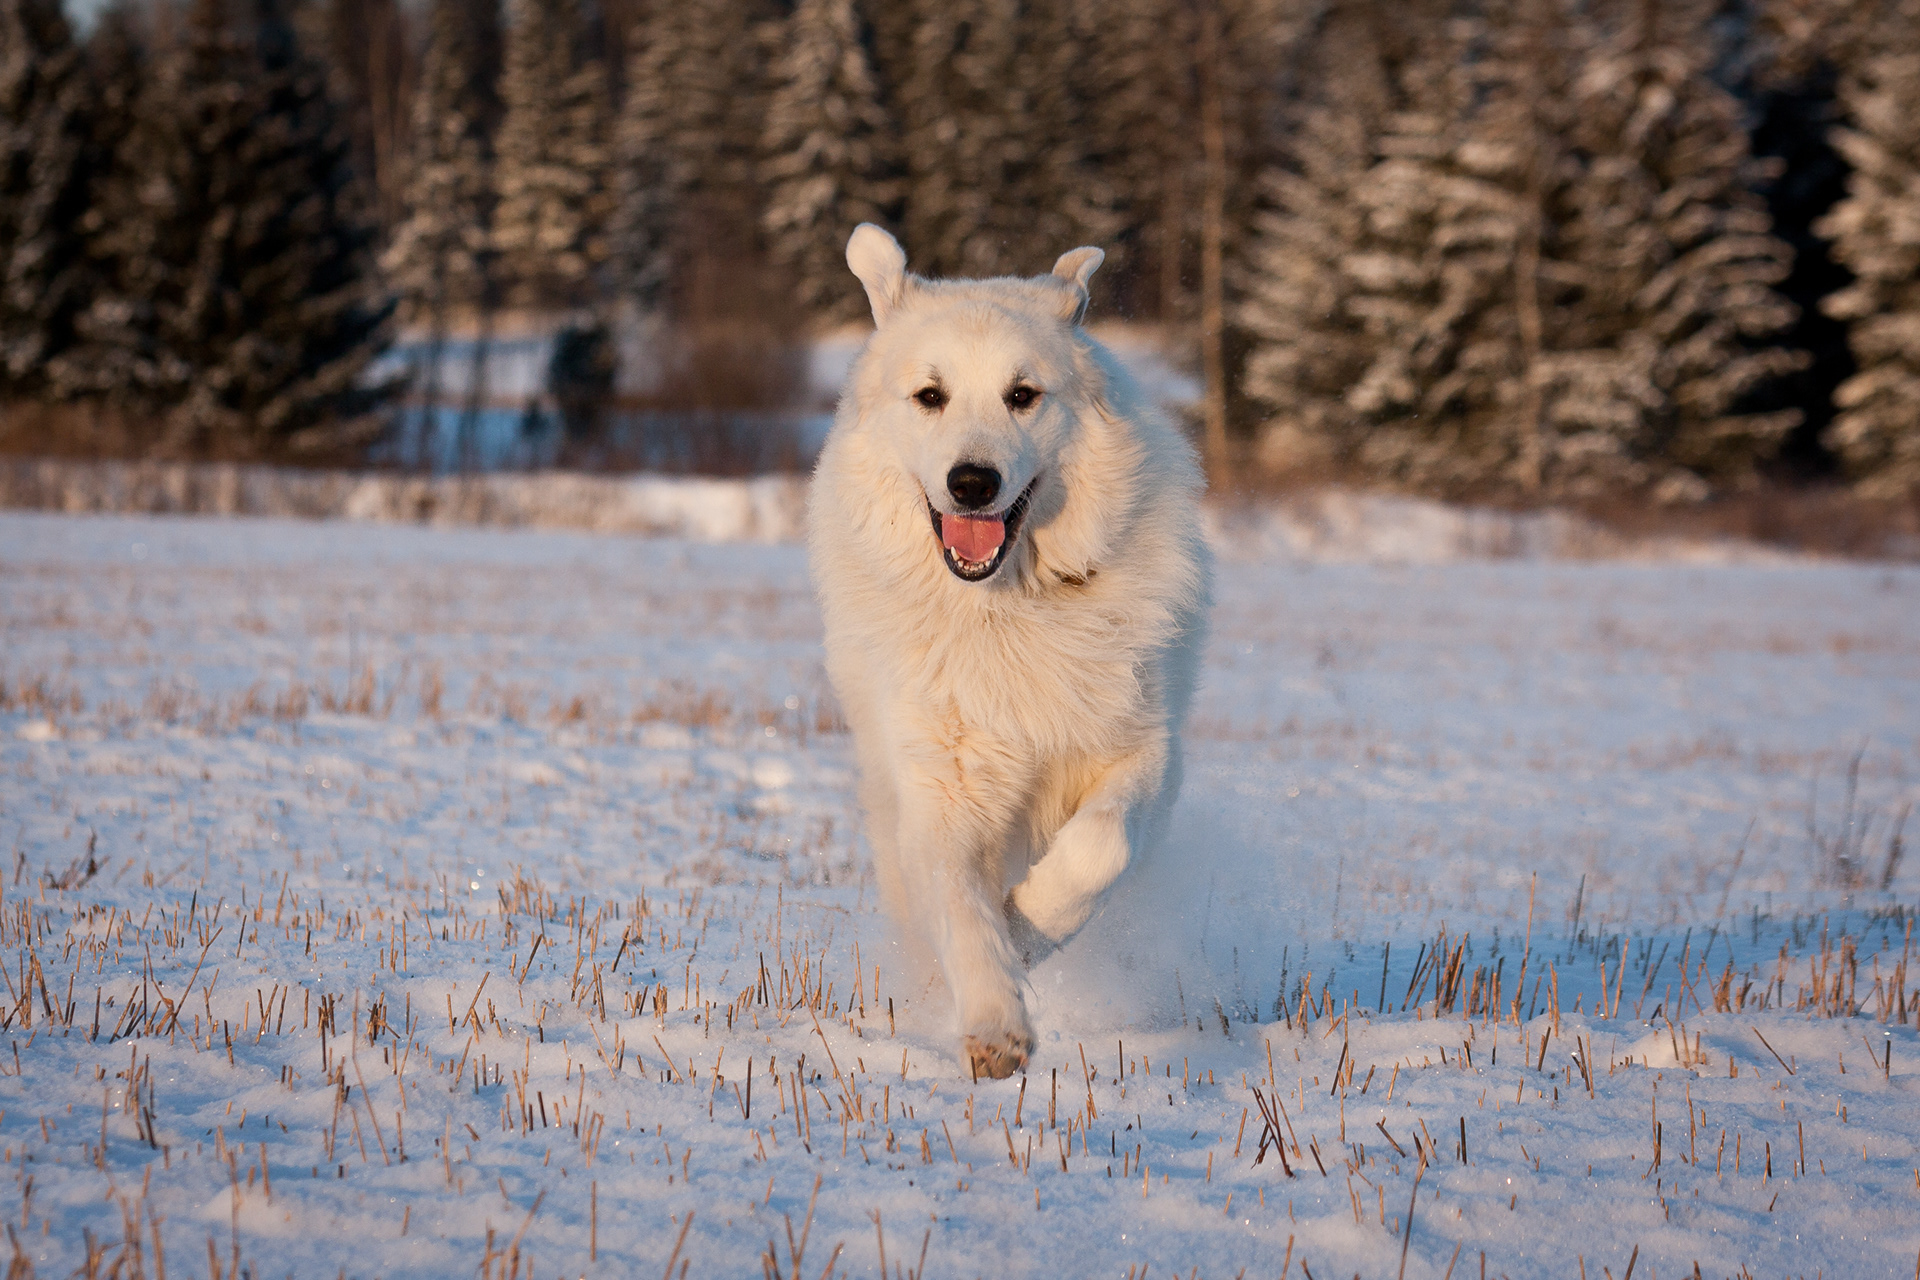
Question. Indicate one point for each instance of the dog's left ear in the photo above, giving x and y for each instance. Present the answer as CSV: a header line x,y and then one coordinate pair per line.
x,y
1076,267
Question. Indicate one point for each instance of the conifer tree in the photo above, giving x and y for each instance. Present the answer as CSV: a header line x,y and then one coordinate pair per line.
x,y
1557,282
1063,197
119,63
1138,106
829,162
1371,272
240,309
688,146
958,111
551,222
1174,104
1789,60
1673,310
44,139
436,258
440,258
118,68
1876,234
996,171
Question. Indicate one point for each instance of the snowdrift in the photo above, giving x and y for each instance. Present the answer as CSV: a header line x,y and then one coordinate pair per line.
x,y
762,509
1322,525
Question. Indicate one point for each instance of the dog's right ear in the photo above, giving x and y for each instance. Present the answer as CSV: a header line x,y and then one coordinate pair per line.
x,y
881,264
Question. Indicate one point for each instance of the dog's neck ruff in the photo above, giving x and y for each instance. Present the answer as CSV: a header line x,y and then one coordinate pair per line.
x,y
974,547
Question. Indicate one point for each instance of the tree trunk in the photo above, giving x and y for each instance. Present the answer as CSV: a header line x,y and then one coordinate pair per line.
x,y
467,451
389,86
1526,290
427,424
1526,271
1173,217
1213,146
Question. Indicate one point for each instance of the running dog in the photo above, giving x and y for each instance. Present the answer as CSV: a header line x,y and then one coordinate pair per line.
x,y
1006,541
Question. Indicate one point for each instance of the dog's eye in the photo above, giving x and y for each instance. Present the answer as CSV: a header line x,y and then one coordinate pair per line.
x,y
1022,397
931,397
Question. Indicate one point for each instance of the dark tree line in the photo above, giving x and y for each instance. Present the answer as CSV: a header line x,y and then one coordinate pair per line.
x,y
183,236
1540,247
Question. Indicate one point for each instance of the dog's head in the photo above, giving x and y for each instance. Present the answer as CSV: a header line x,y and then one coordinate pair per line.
x,y
974,388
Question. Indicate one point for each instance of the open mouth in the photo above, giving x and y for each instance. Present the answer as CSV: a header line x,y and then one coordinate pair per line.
x,y
974,546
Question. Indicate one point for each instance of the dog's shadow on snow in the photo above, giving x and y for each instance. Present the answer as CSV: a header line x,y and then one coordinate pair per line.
x,y
1192,932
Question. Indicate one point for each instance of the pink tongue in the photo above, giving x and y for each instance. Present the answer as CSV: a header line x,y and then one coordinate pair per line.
x,y
973,538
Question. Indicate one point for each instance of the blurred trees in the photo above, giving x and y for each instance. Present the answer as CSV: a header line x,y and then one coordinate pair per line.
x,y
1875,232
438,252
831,157
1524,260
367,47
1672,267
440,255
550,226
1474,247
688,150
44,157
1376,253
235,308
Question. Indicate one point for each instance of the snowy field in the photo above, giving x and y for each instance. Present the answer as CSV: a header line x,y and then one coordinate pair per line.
x,y
422,902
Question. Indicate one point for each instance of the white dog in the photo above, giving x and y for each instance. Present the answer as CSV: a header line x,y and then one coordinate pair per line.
x,y
1006,542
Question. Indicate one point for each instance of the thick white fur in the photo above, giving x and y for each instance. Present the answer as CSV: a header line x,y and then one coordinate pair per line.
x,y
1018,738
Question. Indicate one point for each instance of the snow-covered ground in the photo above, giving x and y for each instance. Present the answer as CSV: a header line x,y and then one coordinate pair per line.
x,y
330,842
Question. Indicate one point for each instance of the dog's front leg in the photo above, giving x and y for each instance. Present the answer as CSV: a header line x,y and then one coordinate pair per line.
x,y
1089,852
954,818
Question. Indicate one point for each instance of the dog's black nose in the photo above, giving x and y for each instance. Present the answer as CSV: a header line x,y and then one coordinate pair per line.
x,y
973,487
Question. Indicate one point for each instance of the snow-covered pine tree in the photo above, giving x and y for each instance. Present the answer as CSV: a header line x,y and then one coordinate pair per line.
x,y
1138,108
1788,57
1673,309
1559,282
996,178
1063,198
957,106
240,310
1370,275
1456,199
119,68
441,256
120,64
829,160
436,258
1876,234
1308,342
1551,419
44,129
550,227
688,148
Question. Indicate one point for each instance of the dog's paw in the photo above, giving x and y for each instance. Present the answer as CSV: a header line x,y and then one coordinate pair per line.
x,y
1031,945
998,1056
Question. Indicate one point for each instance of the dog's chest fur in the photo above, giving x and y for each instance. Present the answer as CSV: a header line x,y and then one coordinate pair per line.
x,y
1040,670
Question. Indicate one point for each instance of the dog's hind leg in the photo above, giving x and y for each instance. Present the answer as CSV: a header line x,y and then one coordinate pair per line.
x,y
1090,851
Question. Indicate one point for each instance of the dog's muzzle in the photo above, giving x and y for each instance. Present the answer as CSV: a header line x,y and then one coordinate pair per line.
x,y
975,546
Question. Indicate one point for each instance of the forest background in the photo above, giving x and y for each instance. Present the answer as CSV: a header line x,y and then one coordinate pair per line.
x,y
1526,251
